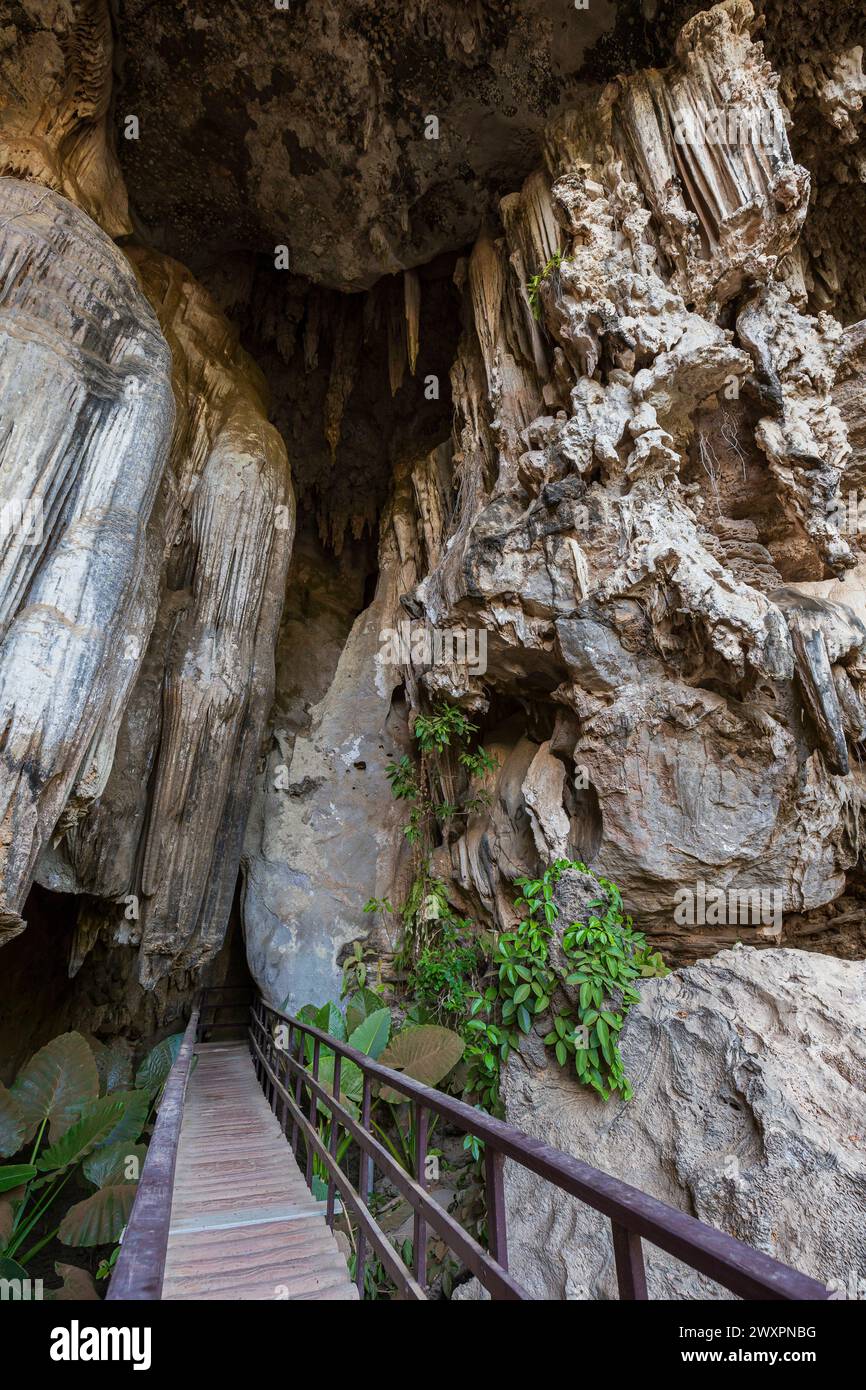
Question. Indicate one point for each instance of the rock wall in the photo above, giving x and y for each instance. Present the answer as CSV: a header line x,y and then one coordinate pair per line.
x,y
649,462
148,519
749,1071
643,503
86,421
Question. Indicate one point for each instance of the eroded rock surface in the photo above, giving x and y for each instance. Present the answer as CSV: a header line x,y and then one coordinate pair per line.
x,y
749,1072
649,490
87,414
169,824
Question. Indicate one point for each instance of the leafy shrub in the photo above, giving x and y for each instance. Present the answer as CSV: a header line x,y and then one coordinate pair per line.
x,y
75,1101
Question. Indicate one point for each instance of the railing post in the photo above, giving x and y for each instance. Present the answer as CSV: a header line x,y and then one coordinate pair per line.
x,y
363,1188
287,1079
628,1256
313,1111
298,1089
419,1230
497,1236
332,1146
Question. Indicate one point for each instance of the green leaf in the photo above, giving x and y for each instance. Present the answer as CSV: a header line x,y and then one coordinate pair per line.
x,y
351,1081
330,1020
136,1107
361,1003
14,1174
10,1269
427,1054
524,1022
371,1036
154,1070
107,1166
96,1123
561,1053
100,1218
114,1065
12,1123
603,1034
521,993
55,1084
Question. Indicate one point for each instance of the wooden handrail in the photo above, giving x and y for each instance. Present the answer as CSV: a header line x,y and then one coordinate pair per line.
x,y
634,1215
140,1265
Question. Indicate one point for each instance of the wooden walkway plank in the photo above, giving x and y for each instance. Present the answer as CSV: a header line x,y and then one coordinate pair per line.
x,y
244,1224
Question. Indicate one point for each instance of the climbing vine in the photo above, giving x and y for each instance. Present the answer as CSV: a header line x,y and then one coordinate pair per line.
x,y
602,958
533,289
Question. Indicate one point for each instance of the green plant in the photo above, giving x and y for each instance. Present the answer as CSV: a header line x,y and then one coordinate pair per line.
x,y
603,957
533,289
78,1134
437,792
444,972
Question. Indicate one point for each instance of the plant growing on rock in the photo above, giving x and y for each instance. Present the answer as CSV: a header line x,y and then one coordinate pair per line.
x,y
436,791
533,289
603,958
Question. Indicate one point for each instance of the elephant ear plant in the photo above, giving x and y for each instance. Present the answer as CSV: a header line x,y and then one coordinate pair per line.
x,y
73,1122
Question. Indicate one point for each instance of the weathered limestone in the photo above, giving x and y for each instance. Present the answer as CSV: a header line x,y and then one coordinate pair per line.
x,y
55,76
169,824
646,495
325,834
87,412
749,1072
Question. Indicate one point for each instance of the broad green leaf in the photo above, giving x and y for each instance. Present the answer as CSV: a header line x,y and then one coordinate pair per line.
x,y
96,1123
371,1036
330,1020
427,1054
351,1082
361,1003
136,1107
99,1219
109,1165
12,1124
10,1269
114,1065
602,1031
55,1084
14,1174
154,1070
77,1286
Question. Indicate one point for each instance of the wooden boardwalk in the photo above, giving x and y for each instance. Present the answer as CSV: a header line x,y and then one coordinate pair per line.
x,y
243,1222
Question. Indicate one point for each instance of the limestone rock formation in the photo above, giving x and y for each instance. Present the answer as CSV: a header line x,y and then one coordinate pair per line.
x,y
169,824
55,75
619,237
87,414
749,1073
648,490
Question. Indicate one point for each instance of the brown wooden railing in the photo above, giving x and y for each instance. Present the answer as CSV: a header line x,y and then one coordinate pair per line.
x,y
298,1097
296,1094
141,1262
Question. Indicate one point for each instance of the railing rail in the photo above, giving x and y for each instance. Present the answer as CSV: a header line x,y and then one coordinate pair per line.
x,y
140,1265
279,1054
